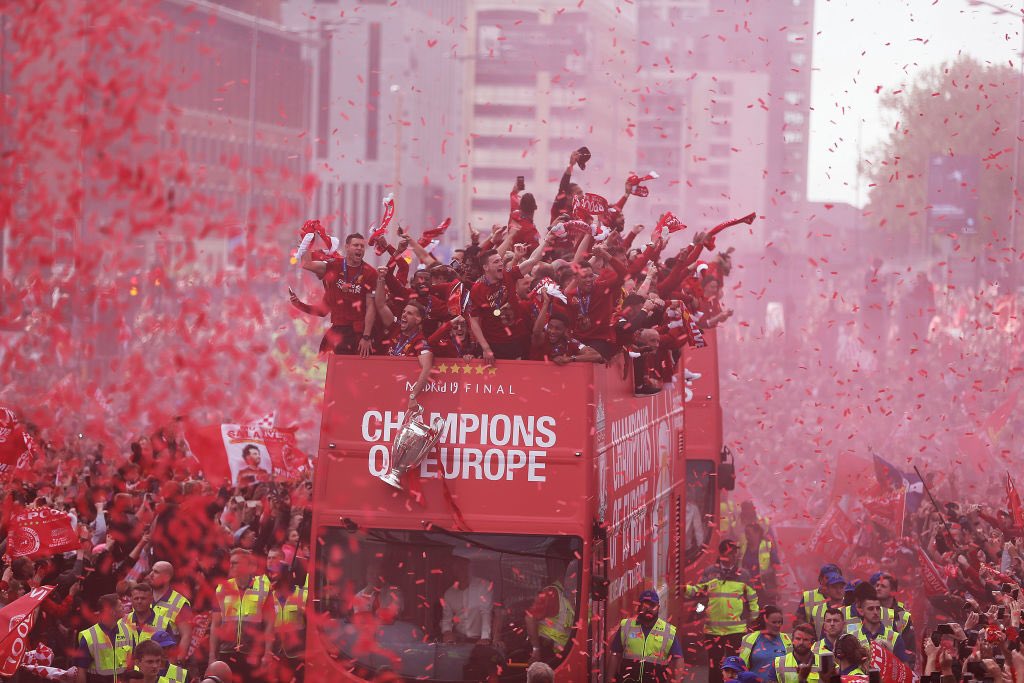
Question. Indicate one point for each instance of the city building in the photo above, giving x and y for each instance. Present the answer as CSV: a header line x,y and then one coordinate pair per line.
x,y
387,113
545,79
724,106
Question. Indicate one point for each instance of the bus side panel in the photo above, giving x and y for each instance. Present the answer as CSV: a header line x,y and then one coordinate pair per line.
x,y
702,447
639,483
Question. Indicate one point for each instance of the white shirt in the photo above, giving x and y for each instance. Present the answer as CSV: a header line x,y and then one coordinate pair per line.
x,y
468,611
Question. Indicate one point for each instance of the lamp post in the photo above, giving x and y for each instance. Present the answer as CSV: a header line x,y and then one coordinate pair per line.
x,y
397,91
999,9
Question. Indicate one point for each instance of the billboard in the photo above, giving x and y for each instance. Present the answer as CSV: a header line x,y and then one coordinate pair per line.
x,y
953,194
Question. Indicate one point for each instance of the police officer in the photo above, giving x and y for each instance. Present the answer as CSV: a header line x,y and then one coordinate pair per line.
x,y
143,621
801,664
151,660
242,627
549,620
895,614
645,649
290,618
816,598
731,603
103,648
865,622
171,673
833,626
758,556
173,605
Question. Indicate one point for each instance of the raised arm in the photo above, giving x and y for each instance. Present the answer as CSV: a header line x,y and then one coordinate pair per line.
x,y
318,268
527,266
542,319
582,249
425,257
645,286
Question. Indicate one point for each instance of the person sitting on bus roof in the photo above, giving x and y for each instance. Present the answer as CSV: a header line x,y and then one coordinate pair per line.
x,y
467,610
551,339
549,620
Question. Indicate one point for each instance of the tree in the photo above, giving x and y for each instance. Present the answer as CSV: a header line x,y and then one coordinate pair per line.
x,y
965,109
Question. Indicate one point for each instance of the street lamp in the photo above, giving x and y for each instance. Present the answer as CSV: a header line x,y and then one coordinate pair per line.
x,y
999,9
397,91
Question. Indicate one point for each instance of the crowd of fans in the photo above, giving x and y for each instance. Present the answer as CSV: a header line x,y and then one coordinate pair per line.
x,y
162,556
579,291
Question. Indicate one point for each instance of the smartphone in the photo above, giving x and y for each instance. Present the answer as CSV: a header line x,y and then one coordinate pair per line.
x,y
1000,661
1005,588
945,629
874,676
1016,594
1001,613
828,661
520,183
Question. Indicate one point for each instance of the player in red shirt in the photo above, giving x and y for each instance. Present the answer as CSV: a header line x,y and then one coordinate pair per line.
x,y
595,300
404,337
452,340
348,292
551,340
491,294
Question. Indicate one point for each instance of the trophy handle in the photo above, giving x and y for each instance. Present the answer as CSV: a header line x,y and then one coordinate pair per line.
x,y
410,415
435,433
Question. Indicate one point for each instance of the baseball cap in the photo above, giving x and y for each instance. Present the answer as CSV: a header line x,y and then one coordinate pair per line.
x,y
734,663
164,639
828,569
833,578
727,545
650,596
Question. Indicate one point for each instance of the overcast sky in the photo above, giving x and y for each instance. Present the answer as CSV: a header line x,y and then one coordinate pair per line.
x,y
861,44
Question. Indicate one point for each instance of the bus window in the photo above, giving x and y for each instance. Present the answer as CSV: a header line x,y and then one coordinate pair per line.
x,y
440,606
700,505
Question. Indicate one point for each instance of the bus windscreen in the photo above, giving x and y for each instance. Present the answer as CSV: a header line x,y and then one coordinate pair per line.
x,y
436,605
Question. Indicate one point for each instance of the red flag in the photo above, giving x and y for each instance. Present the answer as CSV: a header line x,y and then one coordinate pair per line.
x,y
1014,500
835,529
206,445
891,668
434,233
995,422
931,576
285,455
668,220
41,532
586,206
15,449
888,507
385,221
16,621
633,185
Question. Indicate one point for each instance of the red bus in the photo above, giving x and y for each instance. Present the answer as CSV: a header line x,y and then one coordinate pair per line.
x,y
542,475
